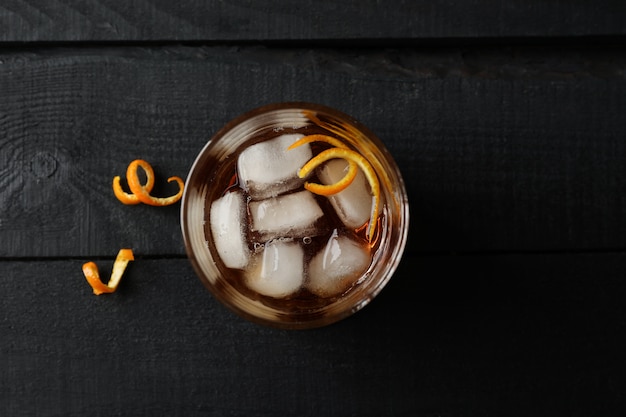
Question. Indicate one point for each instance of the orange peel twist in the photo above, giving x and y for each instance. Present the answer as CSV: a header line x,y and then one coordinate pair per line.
x,y
352,135
90,270
340,185
354,159
140,193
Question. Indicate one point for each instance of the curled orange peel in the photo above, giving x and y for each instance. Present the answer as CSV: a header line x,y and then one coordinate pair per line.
x,y
352,135
318,138
140,193
90,270
129,198
370,174
338,186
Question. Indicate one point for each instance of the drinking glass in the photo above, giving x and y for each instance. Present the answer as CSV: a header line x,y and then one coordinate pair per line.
x,y
215,172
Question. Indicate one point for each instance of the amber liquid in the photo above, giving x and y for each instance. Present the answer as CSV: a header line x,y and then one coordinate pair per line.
x,y
225,179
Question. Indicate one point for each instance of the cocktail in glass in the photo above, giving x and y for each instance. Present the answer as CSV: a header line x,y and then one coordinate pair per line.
x,y
295,215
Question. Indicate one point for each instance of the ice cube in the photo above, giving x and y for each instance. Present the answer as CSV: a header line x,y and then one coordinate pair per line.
x,y
267,169
228,227
278,270
290,215
354,204
337,266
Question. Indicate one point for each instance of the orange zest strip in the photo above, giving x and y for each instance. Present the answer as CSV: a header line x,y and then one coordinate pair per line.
x,y
141,192
124,197
331,188
131,199
352,135
90,270
318,138
357,158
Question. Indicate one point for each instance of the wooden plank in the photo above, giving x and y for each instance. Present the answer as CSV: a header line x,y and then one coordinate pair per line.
x,y
450,335
518,149
236,20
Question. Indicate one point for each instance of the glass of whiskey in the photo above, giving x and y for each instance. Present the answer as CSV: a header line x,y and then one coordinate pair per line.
x,y
294,215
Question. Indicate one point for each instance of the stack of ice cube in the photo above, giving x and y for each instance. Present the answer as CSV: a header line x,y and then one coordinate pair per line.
x,y
280,212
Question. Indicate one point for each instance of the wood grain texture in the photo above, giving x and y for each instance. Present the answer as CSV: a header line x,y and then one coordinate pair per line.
x,y
509,132
250,20
502,150
513,335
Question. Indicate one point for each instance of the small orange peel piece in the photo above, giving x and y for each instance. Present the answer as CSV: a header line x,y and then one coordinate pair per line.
x,y
340,185
90,270
140,193
349,155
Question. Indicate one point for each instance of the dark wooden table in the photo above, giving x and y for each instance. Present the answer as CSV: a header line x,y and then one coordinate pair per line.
x,y
507,119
